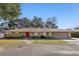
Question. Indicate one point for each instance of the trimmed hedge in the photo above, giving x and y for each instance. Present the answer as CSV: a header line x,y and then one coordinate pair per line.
x,y
7,36
76,34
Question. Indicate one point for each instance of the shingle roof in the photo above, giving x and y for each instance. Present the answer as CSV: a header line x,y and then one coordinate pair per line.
x,y
76,30
41,30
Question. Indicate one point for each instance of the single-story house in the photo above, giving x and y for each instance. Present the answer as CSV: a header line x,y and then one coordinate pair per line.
x,y
46,32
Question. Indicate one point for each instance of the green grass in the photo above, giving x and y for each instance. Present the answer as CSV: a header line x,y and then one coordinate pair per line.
x,y
18,42
11,42
47,41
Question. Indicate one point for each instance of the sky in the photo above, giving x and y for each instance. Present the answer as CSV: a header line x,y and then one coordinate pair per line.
x,y
67,14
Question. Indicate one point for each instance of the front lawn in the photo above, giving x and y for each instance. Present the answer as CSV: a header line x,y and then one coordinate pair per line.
x,y
11,42
47,41
18,42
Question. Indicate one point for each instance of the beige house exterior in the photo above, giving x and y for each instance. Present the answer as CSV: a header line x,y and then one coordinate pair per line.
x,y
47,32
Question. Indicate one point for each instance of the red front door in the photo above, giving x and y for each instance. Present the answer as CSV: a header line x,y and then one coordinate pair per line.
x,y
26,34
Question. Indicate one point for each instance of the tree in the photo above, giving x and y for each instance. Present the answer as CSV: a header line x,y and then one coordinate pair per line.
x,y
12,24
9,11
20,23
26,22
2,10
37,22
51,23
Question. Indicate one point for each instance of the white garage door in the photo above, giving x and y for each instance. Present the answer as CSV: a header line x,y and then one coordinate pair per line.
x,y
61,35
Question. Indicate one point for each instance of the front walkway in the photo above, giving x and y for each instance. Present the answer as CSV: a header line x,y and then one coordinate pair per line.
x,y
27,41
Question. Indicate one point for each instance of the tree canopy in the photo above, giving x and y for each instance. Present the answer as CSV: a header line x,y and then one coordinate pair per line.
x,y
51,22
37,22
9,11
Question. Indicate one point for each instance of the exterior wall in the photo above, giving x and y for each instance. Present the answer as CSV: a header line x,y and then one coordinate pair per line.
x,y
31,34
57,35
62,35
37,33
1,35
69,35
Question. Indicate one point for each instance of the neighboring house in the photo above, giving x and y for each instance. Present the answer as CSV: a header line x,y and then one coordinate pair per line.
x,y
2,33
46,32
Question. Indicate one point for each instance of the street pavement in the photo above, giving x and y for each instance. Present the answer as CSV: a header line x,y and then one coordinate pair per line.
x,y
71,48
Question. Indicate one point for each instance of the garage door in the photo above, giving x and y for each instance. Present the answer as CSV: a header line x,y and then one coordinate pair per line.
x,y
61,35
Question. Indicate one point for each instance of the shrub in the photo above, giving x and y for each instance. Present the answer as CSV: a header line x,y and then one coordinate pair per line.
x,y
76,34
7,36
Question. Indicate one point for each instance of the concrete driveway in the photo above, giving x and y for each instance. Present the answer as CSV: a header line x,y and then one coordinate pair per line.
x,y
68,49
73,41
